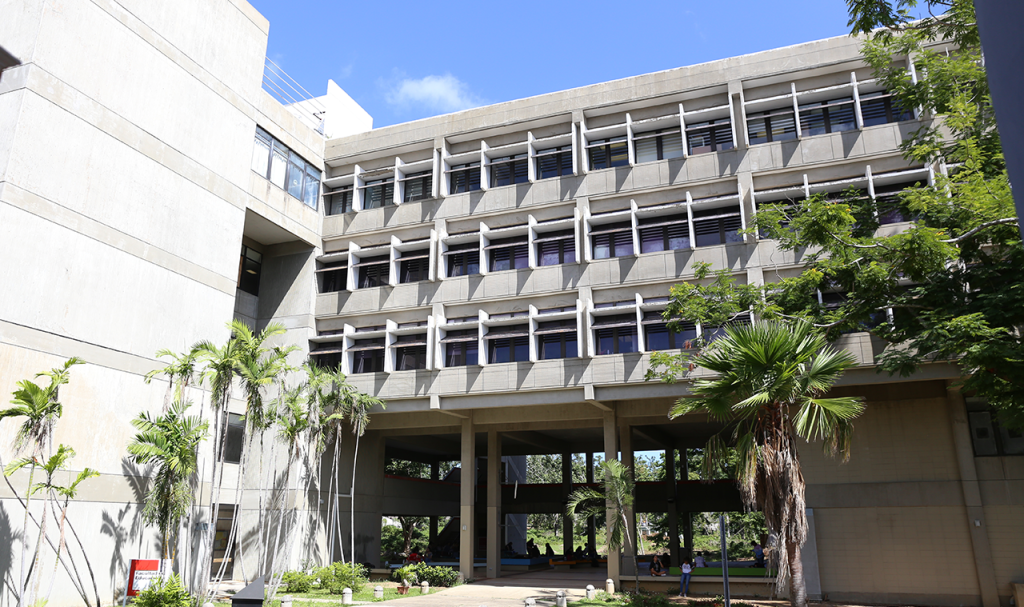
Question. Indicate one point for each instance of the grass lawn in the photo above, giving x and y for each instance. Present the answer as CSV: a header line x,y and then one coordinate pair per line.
x,y
321,598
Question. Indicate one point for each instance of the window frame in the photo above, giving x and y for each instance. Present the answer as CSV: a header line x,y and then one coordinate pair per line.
x,y
659,139
517,167
766,116
517,251
623,231
562,156
565,241
466,173
605,146
712,128
426,184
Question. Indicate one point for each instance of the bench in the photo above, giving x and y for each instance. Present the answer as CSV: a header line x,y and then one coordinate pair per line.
x,y
561,565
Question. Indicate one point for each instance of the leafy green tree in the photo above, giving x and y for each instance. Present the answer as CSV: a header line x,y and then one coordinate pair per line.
x,y
41,408
615,493
170,442
767,385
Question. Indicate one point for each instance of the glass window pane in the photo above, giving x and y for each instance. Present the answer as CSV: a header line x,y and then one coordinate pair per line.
x,y
618,154
522,349
672,146
521,257
842,117
260,157
627,340
678,236
569,251
548,253
602,246
605,341
657,337
296,173
278,167
757,130
783,127
652,240
570,347
551,348
470,349
647,149
812,122
500,351
623,244
311,188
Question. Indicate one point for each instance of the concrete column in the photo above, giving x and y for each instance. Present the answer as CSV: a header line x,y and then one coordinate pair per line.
x,y
591,526
467,522
672,513
435,474
567,539
626,456
976,523
684,472
493,504
611,451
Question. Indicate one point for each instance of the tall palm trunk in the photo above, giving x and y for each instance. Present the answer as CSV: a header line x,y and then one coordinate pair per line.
x,y
60,547
632,549
24,535
332,504
217,479
288,538
352,504
39,551
281,516
233,530
797,586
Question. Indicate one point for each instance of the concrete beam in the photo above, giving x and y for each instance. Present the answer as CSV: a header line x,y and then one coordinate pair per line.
x,y
590,399
655,435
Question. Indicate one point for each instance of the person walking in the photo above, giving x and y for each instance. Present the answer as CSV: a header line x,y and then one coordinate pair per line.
x,y
684,578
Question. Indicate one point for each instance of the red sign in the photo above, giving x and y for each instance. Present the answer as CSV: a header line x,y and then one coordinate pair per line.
x,y
141,574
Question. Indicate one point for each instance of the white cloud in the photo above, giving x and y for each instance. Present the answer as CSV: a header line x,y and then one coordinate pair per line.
x,y
444,93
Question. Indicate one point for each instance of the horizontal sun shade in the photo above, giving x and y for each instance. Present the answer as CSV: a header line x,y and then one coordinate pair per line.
x,y
503,332
609,228
609,322
663,220
552,236
507,242
419,341
421,254
551,330
372,261
376,345
332,268
462,248
326,351
451,339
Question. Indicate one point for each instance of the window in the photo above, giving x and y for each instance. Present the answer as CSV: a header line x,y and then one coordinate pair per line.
x,y
709,136
615,334
221,551
367,355
508,254
328,356
249,269
710,334
411,352
234,439
379,193
657,335
556,339
612,240
776,125
339,201
882,108
554,162
464,178
460,348
509,169
607,153
987,435
508,344
414,266
463,259
658,145
557,247
285,169
831,116
717,226
373,271
887,203
418,186
333,277
664,233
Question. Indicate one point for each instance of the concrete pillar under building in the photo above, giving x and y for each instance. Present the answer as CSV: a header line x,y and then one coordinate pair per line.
x,y
435,474
629,540
591,523
494,537
467,522
672,513
611,451
567,538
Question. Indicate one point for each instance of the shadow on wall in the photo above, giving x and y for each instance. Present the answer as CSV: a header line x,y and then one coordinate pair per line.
x,y
7,538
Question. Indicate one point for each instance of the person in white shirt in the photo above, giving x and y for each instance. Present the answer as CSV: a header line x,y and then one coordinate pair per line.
x,y
699,562
684,579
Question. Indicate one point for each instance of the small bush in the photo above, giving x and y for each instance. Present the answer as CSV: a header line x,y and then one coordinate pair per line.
x,y
439,577
297,581
170,593
645,599
339,576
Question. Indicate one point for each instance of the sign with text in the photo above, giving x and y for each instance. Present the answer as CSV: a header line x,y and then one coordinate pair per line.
x,y
144,572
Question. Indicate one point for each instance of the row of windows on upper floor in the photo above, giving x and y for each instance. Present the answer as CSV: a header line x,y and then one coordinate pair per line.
x,y
779,124
376,349
669,227
275,162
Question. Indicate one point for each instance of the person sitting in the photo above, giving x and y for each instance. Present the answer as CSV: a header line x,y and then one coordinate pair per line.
x,y
414,556
657,569
699,561
579,553
548,551
532,550
428,555
758,555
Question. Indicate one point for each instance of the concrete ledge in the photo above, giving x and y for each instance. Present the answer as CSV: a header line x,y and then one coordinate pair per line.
x,y
706,585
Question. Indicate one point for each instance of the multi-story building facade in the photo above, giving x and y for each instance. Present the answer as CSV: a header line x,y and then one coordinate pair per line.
x,y
495,275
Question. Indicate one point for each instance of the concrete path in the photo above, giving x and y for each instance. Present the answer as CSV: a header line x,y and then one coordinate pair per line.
x,y
511,591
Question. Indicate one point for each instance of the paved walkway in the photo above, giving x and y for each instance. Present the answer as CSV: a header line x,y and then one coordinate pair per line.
x,y
511,591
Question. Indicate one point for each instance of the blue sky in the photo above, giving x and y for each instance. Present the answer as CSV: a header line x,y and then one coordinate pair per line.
x,y
407,60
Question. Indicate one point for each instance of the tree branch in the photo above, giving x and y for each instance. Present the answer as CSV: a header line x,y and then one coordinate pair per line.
x,y
983,226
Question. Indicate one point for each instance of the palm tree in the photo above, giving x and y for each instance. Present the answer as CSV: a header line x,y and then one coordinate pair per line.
x,y
330,397
292,423
615,493
359,416
171,442
219,372
41,408
180,372
768,383
68,493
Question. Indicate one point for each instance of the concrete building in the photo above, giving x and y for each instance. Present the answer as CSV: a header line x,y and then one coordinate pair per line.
x,y
496,275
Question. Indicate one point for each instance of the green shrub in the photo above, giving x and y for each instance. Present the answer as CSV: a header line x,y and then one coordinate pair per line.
x,y
645,599
408,573
437,577
164,594
297,581
339,576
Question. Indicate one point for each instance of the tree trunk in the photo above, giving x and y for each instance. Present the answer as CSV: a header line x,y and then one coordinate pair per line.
x,y
24,536
331,499
60,546
797,587
280,524
217,480
352,504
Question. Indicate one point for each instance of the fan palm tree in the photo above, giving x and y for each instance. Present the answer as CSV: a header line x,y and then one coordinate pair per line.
x,y
171,442
615,493
358,410
41,408
768,386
